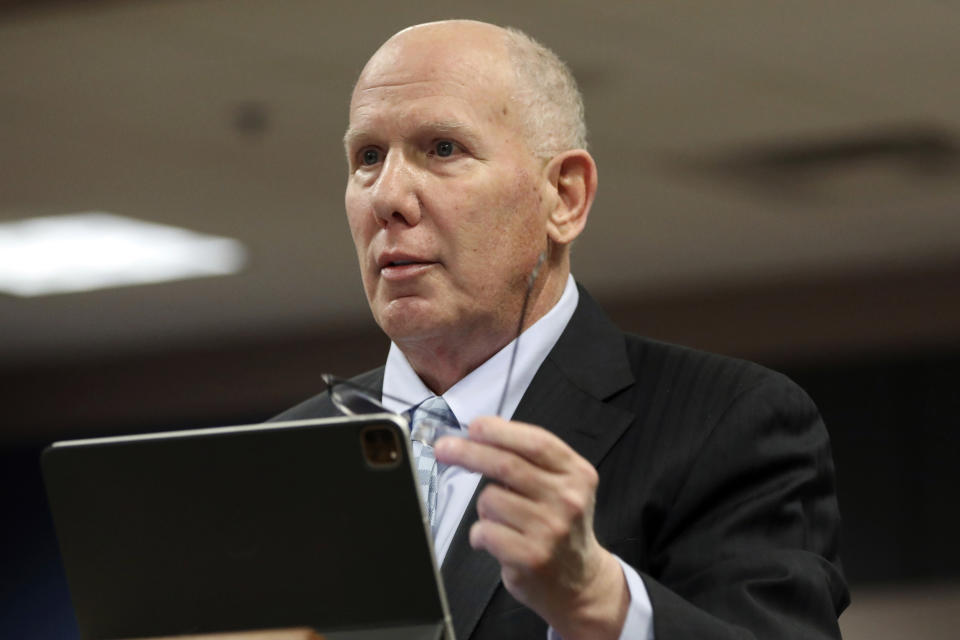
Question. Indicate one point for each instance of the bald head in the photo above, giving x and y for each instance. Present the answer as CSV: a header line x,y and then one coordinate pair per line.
x,y
541,95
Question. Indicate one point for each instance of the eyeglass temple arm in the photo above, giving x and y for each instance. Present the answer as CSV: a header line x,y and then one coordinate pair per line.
x,y
331,381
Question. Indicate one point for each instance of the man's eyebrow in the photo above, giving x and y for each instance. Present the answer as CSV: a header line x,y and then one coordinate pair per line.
x,y
350,136
454,128
437,127
445,126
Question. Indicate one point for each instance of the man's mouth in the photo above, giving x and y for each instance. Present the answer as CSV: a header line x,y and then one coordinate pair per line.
x,y
401,267
390,259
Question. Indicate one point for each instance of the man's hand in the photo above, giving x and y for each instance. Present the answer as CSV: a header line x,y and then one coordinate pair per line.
x,y
537,520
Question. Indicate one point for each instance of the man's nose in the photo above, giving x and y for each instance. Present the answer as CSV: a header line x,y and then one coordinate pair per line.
x,y
395,197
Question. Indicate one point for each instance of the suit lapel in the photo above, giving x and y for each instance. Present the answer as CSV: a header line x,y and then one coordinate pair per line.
x,y
586,366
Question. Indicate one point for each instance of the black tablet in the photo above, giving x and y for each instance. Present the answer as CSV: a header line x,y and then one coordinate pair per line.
x,y
313,523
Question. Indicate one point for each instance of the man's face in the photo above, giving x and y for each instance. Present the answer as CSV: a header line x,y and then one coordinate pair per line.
x,y
444,199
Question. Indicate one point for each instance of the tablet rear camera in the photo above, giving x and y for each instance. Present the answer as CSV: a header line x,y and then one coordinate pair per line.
x,y
381,447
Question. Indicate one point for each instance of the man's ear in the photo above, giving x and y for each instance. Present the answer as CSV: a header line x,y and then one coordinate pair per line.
x,y
573,176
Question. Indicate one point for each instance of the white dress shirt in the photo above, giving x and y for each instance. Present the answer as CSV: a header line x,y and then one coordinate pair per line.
x,y
478,394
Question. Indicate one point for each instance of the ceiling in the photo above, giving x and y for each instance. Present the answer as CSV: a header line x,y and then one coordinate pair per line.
x,y
738,142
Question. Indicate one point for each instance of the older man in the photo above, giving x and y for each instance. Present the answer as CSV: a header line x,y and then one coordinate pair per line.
x,y
638,489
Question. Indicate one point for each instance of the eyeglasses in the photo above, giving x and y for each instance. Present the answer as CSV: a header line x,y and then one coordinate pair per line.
x,y
353,399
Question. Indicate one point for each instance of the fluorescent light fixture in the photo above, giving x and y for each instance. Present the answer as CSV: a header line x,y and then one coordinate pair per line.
x,y
99,250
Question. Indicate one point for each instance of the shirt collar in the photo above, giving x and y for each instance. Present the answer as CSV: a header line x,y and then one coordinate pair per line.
x,y
478,393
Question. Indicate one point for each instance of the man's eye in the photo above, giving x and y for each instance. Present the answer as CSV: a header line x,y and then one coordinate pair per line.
x,y
444,148
369,156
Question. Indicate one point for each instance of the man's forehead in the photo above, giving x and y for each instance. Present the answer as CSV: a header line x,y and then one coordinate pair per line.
x,y
454,77
448,99
462,52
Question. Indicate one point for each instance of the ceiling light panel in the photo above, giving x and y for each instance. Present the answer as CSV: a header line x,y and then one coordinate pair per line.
x,y
99,250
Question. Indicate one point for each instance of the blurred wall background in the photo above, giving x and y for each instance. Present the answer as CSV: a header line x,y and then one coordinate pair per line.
x,y
778,182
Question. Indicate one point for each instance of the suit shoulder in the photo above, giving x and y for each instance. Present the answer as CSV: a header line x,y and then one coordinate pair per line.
x,y
320,405
714,379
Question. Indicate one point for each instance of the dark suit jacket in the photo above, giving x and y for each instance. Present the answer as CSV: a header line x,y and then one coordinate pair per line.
x,y
716,484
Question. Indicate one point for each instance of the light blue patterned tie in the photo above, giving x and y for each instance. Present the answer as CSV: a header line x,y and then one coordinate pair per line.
x,y
428,470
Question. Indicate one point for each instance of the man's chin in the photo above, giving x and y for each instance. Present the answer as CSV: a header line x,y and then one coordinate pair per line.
x,y
406,320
